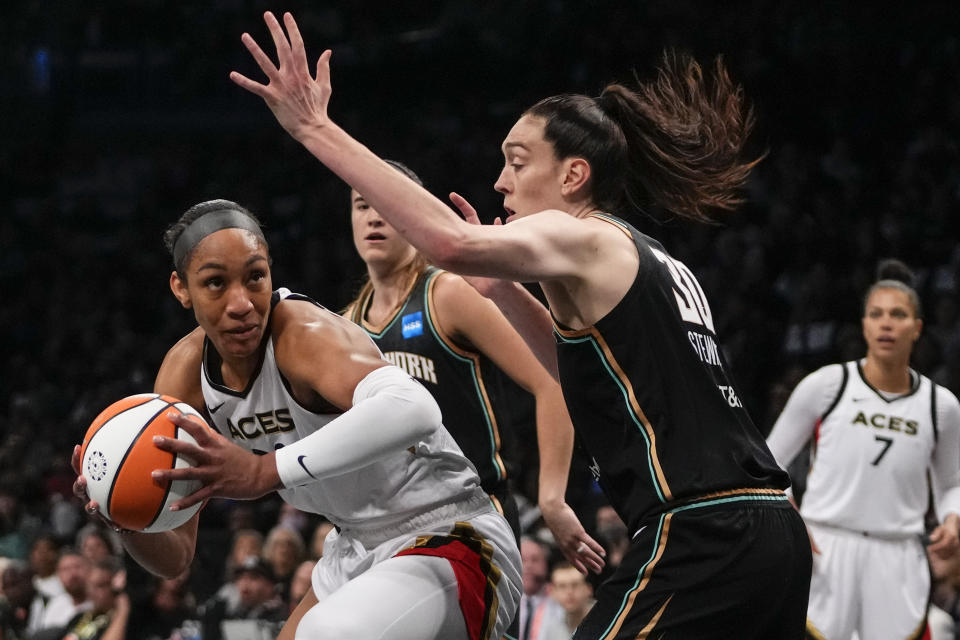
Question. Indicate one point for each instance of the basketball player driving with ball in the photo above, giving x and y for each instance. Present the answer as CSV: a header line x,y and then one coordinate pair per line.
x,y
301,402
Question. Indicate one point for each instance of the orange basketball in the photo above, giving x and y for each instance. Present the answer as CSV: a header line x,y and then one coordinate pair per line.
x,y
118,456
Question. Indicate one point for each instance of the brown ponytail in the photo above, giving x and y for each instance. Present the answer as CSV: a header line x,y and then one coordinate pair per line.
x,y
675,142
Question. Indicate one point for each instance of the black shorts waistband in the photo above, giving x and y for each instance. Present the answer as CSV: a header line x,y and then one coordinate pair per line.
x,y
732,498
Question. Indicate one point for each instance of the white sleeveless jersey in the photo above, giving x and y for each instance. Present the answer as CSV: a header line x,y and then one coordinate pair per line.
x,y
265,416
870,458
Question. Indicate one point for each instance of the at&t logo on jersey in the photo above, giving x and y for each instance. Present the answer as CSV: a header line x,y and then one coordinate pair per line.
x,y
412,325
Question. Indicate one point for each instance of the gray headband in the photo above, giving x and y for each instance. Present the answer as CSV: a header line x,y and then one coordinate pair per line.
x,y
209,223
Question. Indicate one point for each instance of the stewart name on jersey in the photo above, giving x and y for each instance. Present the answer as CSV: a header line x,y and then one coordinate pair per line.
x,y
652,402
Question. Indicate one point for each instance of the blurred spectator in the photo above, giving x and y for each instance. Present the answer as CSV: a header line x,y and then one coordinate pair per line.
x,y
21,606
538,611
72,570
246,543
44,553
613,535
96,543
300,583
292,518
571,590
259,608
163,609
109,611
284,550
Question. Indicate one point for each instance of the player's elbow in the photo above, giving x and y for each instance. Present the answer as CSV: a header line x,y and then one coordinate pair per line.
x,y
167,565
422,411
171,571
412,410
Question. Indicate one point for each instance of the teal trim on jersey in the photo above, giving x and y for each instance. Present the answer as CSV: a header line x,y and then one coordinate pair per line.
x,y
743,498
433,273
386,328
626,595
609,218
626,399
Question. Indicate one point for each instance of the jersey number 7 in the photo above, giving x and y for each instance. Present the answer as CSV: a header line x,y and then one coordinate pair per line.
x,y
887,442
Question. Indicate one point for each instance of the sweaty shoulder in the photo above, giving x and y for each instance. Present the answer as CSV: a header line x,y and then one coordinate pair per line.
x,y
321,353
296,322
179,375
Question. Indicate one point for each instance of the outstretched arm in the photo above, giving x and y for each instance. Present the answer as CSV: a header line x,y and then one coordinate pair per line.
x,y
528,249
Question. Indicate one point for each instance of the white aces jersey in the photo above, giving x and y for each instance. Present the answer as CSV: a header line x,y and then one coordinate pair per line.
x,y
265,416
871,452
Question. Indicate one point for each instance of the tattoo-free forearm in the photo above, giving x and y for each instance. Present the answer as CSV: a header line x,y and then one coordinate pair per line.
x,y
555,443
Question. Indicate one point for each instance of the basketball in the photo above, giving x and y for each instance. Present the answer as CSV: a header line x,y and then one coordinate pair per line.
x,y
118,455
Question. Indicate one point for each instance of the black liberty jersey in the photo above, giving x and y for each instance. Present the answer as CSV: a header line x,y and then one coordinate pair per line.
x,y
461,381
651,400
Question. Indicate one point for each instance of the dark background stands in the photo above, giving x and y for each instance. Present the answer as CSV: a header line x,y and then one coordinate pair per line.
x,y
119,116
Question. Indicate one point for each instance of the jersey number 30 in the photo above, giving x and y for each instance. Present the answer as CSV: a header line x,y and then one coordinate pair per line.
x,y
690,299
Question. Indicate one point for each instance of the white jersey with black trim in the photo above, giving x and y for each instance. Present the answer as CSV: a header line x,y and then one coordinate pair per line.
x,y
265,417
872,452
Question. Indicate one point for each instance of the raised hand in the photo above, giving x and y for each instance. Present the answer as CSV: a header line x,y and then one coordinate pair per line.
x,y
485,286
224,469
298,100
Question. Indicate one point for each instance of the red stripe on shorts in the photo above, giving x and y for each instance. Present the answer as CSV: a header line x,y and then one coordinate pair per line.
x,y
471,581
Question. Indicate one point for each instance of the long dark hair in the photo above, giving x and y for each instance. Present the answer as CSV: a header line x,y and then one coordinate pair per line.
x,y
675,142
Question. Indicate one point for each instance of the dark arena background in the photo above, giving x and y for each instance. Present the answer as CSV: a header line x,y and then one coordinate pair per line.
x,y
117,116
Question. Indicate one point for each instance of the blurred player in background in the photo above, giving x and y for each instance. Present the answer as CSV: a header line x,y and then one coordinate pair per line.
x,y
880,430
302,403
443,332
717,550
